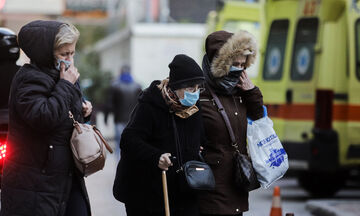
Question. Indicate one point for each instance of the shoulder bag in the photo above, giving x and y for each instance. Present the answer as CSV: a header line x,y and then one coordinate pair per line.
x,y
198,174
87,145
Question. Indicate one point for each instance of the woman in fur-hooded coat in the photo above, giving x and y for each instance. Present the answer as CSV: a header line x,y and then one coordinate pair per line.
x,y
224,65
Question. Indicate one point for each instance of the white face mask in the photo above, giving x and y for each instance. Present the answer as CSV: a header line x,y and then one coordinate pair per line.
x,y
58,64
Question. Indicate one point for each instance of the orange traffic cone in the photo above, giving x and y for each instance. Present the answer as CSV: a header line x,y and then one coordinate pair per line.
x,y
276,203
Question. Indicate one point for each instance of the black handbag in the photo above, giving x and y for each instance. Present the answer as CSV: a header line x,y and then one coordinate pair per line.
x,y
244,173
198,174
245,176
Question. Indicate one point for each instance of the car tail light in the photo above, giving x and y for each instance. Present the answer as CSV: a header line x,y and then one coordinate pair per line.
x,y
324,109
2,150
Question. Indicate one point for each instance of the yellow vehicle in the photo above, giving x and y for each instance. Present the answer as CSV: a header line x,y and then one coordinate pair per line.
x,y
309,74
236,15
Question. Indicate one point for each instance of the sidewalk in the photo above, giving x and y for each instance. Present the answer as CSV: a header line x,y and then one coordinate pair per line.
x,y
334,207
99,186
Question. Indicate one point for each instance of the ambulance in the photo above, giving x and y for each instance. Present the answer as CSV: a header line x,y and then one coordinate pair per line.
x,y
309,74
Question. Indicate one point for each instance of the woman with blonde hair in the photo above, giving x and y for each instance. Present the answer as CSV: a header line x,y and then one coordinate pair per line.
x,y
39,176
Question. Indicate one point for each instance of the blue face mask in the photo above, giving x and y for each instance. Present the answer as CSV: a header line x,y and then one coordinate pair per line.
x,y
190,98
234,68
58,64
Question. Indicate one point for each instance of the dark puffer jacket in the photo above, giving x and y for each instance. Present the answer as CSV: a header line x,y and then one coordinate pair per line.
x,y
149,134
39,169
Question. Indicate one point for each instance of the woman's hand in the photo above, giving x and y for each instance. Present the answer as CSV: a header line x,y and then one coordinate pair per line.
x,y
245,83
86,108
70,74
164,161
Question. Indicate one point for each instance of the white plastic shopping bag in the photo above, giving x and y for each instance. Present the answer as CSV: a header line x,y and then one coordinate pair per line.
x,y
268,156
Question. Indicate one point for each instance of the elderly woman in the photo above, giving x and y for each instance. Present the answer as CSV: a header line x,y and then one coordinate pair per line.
x,y
39,176
227,57
165,108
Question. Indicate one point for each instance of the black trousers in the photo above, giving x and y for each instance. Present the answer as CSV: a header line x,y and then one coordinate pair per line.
x,y
76,205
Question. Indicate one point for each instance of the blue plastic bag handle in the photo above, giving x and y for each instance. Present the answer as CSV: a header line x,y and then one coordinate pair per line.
x,y
264,115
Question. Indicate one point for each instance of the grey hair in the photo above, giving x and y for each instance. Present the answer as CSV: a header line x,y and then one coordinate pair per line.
x,y
67,34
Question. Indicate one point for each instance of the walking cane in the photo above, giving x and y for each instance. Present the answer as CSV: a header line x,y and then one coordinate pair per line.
x,y
166,198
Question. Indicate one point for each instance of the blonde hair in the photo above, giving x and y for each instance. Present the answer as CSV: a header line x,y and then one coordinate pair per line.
x,y
67,34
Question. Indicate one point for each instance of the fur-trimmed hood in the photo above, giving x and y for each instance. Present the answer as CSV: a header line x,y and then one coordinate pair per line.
x,y
240,43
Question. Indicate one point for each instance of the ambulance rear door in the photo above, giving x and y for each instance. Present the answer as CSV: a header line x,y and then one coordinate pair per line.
x,y
353,115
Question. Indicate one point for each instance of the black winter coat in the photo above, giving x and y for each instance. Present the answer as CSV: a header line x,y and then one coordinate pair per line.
x,y
149,134
39,168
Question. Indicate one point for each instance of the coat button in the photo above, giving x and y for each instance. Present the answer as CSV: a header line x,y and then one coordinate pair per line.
x,y
218,162
51,147
237,210
236,113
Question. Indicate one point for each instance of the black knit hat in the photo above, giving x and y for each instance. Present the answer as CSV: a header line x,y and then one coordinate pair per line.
x,y
184,72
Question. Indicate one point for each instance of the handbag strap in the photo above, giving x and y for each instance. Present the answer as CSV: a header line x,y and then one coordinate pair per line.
x,y
225,117
97,131
177,144
178,147
75,123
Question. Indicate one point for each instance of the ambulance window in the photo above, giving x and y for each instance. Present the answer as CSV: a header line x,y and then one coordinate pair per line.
x,y
358,49
250,26
302,65
275,50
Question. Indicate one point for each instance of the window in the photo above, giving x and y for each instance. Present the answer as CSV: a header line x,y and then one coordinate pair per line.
x,y
275,50
357,38
302,65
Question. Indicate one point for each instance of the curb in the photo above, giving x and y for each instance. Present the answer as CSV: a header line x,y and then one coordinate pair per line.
x,y
334,207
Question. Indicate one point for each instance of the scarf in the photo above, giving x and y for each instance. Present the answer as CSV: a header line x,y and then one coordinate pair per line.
x,y
173,101
212,81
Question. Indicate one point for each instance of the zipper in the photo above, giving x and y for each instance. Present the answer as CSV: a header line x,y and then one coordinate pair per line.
x,y
207,100
49,158
238,97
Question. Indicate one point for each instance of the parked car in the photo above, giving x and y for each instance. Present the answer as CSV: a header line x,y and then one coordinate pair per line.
x,y
9,54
